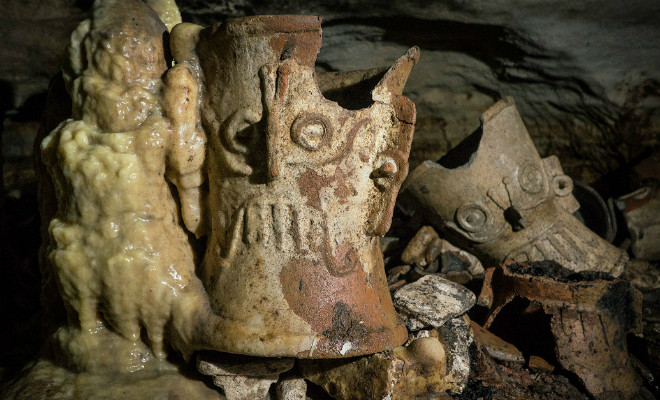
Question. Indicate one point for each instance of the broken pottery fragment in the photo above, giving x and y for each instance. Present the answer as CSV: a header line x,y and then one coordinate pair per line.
x,y
242,377
647,170
591,315
432,301
494,195
420,248
496,347
462,278
641,211
452,258
418,369
300,190
539,365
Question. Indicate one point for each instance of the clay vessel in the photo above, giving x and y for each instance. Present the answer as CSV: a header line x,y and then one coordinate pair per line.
x,y
300,189
495,195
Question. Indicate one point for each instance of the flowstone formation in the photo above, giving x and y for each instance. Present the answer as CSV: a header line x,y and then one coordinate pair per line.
x,y
222,132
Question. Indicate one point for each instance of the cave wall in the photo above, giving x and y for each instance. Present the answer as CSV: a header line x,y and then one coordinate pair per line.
x,y
585,75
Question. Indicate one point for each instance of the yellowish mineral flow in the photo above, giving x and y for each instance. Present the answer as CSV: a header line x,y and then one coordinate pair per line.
x,y
117,246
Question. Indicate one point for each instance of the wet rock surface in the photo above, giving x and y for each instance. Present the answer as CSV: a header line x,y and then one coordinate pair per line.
x,y
432,301
586,76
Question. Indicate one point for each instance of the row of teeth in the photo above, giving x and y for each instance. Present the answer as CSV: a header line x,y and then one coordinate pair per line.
x,y
559,243
285,227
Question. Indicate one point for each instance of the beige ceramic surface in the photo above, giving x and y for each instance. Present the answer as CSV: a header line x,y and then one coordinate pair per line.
x,y
300,188
494,194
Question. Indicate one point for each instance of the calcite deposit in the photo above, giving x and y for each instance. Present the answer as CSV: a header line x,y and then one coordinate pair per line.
x,y
122,261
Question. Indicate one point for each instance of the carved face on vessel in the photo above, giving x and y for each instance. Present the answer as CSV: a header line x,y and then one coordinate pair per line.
x,y
300,188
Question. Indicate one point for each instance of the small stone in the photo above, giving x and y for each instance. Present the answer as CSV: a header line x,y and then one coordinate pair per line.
x,y
217,363
432,301
407,372
397,273
415,252
473,265
462,278
292,388
495,346
641,211
413,324
422,334
433,250
239,387
418,272
242,377
539,365
453,262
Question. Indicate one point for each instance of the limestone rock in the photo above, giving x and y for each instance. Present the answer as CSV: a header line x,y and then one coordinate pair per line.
x,y
450,254
292,388
242,377
47,380
418,369
419,245
432,301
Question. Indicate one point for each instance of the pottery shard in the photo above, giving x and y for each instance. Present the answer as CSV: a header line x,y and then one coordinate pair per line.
x,y
432,301
242,377
449,254
418,369
591,315
496,347
419,245
539,365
